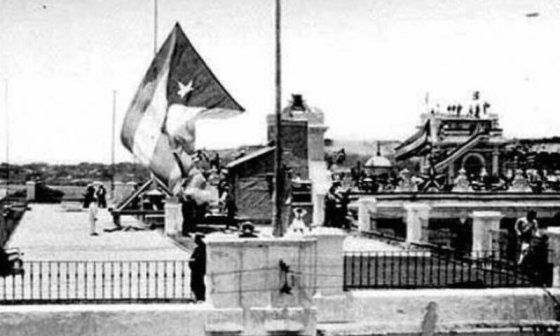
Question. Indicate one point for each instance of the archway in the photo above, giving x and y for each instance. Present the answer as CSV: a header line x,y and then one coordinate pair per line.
x,y
473,164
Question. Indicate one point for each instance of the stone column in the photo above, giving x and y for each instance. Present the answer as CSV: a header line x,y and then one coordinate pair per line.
x,y
367,208
417,216
318,209
495,162
484,222
331,301
173,217
30,187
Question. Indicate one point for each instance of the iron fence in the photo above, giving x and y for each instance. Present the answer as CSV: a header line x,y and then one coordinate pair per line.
x,y
437,269
97,282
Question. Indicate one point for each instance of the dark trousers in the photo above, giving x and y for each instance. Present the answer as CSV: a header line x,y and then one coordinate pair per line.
x,y
198,288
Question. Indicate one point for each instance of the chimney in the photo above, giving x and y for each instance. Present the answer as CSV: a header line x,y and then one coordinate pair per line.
x,y
297,103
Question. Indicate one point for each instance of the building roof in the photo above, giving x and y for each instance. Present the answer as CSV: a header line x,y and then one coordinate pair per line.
x,y
378,162
250,156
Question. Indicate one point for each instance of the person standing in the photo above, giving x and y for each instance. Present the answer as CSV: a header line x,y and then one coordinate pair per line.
x,y
525,228
330,204
537,257
197,265
188,209
342,210
228,207
88,196
93,216
101,197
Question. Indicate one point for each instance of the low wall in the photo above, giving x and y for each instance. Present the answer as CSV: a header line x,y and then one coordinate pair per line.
x,y
103,320
382,312
457,205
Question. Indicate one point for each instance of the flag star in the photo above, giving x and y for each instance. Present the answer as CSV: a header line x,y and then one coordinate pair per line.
x,y
185,89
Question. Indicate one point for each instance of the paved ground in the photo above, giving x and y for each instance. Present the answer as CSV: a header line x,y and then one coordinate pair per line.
x,y
61,232
63,262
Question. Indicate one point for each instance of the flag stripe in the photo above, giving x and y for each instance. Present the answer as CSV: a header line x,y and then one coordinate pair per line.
x,y
148,130
145,93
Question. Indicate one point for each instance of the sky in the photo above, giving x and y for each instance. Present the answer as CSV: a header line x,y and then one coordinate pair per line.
x,y
368,64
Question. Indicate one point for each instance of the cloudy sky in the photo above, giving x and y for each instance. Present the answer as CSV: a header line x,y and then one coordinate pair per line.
x,y
367,63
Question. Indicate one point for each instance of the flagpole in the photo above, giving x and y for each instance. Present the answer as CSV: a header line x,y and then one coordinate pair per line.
x,y
278,226
155,25
7,137
113,117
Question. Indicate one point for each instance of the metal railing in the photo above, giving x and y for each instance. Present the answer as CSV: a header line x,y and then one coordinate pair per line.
x,y
97,282
435,269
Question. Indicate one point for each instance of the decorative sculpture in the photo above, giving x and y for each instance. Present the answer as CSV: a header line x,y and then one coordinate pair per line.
x,y
520,183
406,184
461,182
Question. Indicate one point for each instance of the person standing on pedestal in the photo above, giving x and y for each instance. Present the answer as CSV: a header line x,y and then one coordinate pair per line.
x,y
197,264
228,207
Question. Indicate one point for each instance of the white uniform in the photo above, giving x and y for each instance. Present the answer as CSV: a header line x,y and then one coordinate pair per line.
x,y
92,217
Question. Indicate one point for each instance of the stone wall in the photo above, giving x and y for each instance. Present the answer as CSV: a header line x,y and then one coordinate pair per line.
x,y
382,312
104,320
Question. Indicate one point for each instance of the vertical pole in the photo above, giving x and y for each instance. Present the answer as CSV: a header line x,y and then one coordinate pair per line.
x,y
278,173
155,25
7,137
113,142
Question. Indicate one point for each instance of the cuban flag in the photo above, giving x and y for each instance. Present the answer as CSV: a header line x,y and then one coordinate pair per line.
x,y
178,90
415,144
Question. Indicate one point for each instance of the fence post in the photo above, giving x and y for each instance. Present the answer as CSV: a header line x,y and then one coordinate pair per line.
x,y
417,216
366,207
484,222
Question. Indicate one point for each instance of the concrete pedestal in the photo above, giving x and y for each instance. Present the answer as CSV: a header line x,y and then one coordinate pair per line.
x,y
484,222
417,216
246,274
173,217
367,208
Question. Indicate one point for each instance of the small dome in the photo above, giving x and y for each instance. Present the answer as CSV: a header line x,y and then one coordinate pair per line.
x,y
378,162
